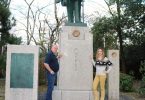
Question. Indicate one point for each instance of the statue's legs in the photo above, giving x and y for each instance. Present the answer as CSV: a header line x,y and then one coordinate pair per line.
x,y
77,11
70,9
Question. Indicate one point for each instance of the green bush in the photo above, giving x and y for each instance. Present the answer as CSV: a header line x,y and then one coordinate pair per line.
x,y
126,82
141,90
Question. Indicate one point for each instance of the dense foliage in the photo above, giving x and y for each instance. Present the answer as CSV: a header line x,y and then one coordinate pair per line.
x,y
126,82
6,23
124,29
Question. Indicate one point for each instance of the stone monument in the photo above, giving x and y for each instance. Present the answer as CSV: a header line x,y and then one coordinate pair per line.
x,y
75,76
113,77
22,72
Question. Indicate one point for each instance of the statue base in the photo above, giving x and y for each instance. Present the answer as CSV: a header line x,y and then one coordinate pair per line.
x,y
72,95
76,24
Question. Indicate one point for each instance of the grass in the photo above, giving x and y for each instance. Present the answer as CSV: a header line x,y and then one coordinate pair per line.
x,y
134,95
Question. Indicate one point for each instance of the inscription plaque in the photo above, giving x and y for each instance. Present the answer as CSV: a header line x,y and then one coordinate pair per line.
x,y
21,75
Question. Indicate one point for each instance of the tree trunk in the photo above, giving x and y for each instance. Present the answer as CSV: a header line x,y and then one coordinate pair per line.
x,y
0,50
119,31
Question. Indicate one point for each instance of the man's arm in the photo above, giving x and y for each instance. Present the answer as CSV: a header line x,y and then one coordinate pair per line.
x,y
48,68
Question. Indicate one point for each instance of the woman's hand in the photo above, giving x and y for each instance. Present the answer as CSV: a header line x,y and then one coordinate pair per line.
x,y
106,72
92,60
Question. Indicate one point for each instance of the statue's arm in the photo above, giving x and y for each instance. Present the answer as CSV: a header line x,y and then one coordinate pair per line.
x,y
57,1
64,2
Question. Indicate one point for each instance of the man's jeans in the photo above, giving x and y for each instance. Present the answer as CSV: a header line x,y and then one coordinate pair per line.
x,y
51,80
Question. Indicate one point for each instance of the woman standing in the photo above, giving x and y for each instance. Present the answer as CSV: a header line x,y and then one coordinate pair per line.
x,y
103,66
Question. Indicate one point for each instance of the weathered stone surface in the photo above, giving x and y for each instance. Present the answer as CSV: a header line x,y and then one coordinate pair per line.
x,y
22,91
75,95
113,79
76,71
57,95
72,95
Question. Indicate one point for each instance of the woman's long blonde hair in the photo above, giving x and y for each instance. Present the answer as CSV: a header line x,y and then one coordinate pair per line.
x,y
97,54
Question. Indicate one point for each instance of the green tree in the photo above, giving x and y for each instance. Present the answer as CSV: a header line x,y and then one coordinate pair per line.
x,y
118,15
130,15
133,27
104,34
126,25
14,39
135,24
5,3
5,23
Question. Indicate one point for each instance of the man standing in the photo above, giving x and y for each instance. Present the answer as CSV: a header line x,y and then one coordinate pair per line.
x,y
52,67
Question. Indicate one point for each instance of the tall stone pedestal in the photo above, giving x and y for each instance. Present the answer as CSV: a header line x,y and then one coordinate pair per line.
x,y
75,76
113,79
22,72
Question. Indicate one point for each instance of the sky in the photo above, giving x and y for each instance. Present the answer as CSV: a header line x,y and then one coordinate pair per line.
x,y
92,9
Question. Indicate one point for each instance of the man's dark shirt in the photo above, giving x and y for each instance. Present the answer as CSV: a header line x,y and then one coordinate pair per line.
x,y
52,61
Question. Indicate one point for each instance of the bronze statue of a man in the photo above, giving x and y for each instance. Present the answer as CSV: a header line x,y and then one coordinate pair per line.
x,y
73,10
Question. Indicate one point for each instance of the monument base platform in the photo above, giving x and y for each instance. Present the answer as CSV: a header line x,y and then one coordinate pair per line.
x,y
72,95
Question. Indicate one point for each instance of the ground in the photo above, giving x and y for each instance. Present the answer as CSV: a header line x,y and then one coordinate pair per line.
x,y
43,88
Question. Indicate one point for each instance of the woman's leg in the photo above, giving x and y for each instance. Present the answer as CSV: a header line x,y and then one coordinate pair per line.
x,y
102,84
95,87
